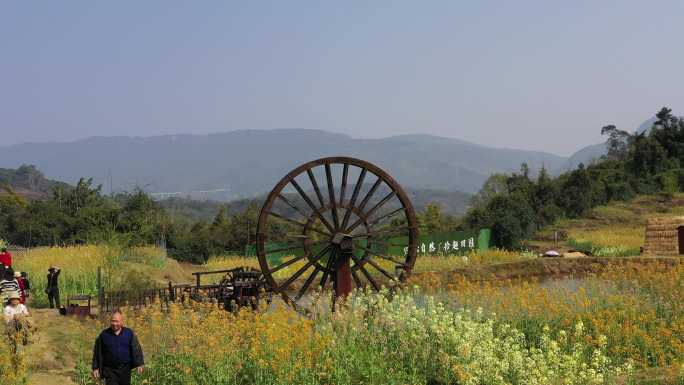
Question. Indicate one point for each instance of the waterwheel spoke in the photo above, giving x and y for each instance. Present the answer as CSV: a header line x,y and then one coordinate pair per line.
x,y
392,230
371,211
292,205
306,285
385,257
328,267
355,195
357,281
314,183
293,247
315,210
370,193
303,269
388,215
343,189
294,222
331,195
286,264
367,275
380,269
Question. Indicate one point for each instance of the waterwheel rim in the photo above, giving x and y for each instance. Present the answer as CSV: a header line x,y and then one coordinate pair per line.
x,y
324,200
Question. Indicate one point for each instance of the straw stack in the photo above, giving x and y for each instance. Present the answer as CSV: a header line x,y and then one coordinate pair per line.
x,y
662,235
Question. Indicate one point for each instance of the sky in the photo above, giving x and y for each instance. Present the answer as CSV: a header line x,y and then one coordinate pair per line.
x,y
539,75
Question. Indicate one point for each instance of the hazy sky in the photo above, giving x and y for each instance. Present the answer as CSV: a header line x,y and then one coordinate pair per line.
x,y
534,75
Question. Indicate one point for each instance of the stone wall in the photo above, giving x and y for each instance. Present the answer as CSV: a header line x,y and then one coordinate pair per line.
x,y
662,236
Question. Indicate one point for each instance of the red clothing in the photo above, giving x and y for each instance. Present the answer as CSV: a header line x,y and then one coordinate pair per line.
x,y
22,290
6,258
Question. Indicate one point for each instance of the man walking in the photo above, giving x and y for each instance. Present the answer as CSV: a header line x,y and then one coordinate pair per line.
x,y
117,352
52,289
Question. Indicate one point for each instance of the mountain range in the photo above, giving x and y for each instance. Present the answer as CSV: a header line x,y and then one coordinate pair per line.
x,y
247,163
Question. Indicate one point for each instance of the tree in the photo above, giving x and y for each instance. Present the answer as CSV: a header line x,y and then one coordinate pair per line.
x,y
617,143
139,217
430,221
575,194
511,220
544,200
647,157
493,186
668,131
221,232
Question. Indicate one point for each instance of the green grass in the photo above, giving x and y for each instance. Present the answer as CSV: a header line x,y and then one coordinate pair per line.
x,y
588,247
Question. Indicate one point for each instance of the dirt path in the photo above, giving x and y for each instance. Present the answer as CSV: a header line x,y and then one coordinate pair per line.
x,y
48,363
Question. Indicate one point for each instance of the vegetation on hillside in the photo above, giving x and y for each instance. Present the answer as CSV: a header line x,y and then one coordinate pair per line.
x,y
450,202
516,206
83,215
29,180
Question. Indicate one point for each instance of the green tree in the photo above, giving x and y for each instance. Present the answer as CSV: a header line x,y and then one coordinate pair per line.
x,y
543,200
430,221
575,194
617,143
221,232
140,218
511,219
494,185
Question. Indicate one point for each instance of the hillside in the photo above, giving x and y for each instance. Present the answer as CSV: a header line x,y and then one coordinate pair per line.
x,y
248,163
615,229
28,182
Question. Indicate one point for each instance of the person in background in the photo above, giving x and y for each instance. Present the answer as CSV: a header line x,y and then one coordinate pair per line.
x,y
8,285
27,284
22,286
14,309
16,320
52,289
117,352
5,257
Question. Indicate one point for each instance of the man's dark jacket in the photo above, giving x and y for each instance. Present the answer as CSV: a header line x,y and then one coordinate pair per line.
x,y
52,285
136,353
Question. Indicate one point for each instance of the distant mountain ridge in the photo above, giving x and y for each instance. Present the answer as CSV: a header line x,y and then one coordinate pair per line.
x,y
247,163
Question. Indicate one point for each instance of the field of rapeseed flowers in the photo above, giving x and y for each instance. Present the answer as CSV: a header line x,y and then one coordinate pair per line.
x,y
79,266
636,311
593,329
371,340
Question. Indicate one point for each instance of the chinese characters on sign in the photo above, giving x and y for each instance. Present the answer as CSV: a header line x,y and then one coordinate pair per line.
x,y
443,244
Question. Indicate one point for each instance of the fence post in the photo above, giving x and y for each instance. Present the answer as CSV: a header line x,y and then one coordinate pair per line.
x,y
100,289
172,293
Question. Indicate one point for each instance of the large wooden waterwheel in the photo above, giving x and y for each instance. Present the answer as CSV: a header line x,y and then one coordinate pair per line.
x,y
335,222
